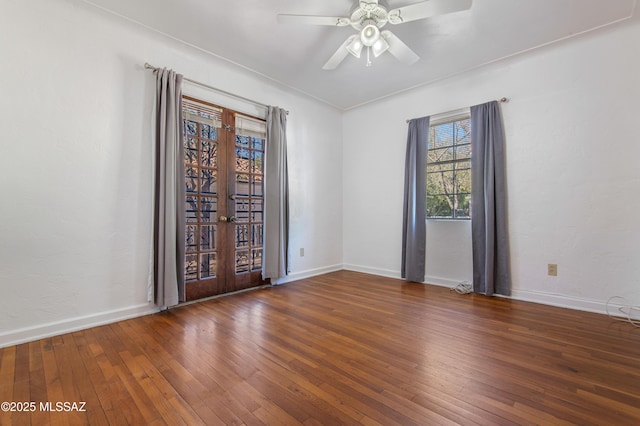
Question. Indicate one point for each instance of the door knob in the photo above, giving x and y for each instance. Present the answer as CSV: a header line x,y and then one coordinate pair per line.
x,y
223,219
232,219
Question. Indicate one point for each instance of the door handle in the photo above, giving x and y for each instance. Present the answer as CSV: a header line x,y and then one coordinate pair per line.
x,y
223,219
232,219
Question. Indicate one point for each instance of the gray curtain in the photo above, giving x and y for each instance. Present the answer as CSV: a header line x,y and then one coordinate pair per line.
x,y
169,208
414,228
489,196
276,233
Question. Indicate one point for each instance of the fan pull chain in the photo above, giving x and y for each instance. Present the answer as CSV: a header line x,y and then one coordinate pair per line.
x,y
368,58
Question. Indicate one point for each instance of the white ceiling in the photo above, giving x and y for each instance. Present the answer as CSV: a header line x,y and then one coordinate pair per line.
x,y
246,32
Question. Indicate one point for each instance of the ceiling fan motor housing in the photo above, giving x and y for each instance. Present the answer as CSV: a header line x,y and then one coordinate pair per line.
x,y
366,13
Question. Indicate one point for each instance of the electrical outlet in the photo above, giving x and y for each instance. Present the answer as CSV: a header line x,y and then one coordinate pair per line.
x,y
302,252
552,269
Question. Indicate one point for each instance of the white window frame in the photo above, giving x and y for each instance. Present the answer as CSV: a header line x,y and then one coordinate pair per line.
x,y
439,119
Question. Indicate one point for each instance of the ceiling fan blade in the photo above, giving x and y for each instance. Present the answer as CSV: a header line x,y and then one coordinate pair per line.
x,y
339,55
426,9
398,49
332,21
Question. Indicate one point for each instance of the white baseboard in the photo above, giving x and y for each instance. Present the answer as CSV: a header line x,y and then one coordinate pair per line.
x,y
295,276
442,282
570,302
561,301
373,271
29,334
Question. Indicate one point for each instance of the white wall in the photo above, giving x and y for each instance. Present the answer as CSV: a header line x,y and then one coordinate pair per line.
x,y
573,175
75,164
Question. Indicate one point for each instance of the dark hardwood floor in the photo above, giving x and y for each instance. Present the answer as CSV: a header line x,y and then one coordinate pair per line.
x,y
342,348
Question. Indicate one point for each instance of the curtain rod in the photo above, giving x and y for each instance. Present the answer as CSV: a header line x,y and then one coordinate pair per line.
x,y
224,92
501,100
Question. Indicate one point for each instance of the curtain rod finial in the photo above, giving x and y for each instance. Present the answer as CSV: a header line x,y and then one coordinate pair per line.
x,y
504,100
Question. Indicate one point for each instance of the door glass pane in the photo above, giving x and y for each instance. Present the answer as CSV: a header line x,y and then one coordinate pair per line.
x,y
209,156
208,265
191,179
242,160
256,185
208,237
191,151
192,209
242,209
208,209
190,127
258,143
191,267
191,243
241,140
242,261
209,181
242,184
242,236
256,259
257,159
256,210
256,235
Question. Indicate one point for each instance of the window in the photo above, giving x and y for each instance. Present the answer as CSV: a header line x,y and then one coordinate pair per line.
x,y
449,168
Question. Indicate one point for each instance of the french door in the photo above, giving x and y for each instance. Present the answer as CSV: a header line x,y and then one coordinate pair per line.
x,y
224,165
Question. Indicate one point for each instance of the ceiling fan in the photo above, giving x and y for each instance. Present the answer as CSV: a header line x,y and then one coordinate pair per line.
x,y
368,17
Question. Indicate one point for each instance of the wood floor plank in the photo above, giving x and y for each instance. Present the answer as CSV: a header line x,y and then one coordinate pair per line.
x,y
341,348
38,384
21,385
7,372
73,377
55,391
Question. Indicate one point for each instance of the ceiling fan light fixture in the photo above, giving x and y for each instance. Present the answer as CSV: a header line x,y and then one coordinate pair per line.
x,y
379,47
369,35
355,47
